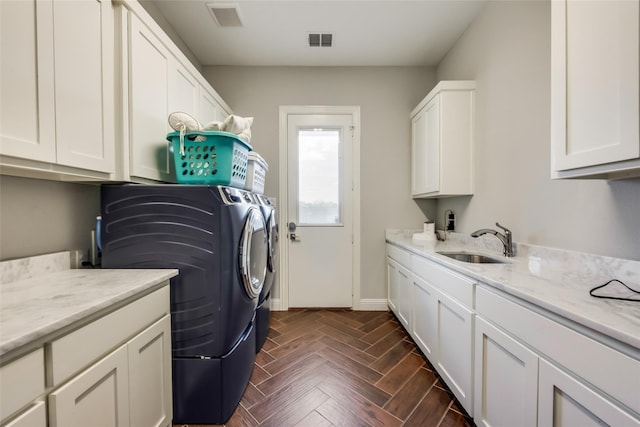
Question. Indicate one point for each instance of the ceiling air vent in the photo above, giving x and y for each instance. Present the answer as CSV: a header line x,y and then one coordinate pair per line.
x,y
225,14
320,39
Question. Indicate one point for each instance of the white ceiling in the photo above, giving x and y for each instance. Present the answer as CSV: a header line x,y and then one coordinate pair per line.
x,y
366,32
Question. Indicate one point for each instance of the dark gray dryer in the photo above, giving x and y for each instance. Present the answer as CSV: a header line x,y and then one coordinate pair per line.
x,y
216,236
263,311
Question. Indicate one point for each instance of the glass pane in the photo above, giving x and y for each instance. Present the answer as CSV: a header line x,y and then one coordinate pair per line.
x,y
319,176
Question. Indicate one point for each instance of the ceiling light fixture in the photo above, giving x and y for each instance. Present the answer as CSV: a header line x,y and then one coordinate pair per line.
x,y
225,14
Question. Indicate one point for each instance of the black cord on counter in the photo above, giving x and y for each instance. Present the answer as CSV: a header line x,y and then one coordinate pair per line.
x,y
618,298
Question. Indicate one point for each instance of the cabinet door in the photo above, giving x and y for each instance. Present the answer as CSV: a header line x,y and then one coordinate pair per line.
x,y
210,110
84,84
424,330
594,82
97,397
419,153
35,416
149,79
432,161
455,348
392,285
150,375
426,149
506,379
27,116
404,297
184,90
565,402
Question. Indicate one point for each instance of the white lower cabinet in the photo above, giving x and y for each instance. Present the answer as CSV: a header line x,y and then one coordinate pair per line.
x,y
435,307
506,379
22,382
508,362
112,371
532,370
404,297
129,387
35,416
392,285
566,402
99,396
425,305
150,376
563,401
454,361
399,284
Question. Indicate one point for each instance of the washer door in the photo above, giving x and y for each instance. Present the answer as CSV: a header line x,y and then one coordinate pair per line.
x,y
272,262
253,253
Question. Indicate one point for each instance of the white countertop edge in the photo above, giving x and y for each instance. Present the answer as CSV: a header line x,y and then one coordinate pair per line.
x,y
143,280
483,273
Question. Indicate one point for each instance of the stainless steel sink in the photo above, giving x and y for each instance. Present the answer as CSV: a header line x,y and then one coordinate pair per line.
x,y
473,258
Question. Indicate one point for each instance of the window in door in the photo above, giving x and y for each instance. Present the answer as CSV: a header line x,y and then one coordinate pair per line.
x,y
320,177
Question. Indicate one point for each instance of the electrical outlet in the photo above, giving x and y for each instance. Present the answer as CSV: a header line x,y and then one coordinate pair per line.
x,y
451,221
78,257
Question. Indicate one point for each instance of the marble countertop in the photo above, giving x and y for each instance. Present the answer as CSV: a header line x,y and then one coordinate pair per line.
x,y
36,307
553,279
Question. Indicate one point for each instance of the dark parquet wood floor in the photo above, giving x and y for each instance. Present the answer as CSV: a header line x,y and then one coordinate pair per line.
x,y
343,368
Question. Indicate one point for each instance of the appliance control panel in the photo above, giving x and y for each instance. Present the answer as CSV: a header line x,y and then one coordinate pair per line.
x,y
232,195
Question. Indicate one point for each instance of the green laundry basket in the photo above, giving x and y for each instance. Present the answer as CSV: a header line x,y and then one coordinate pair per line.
x,y
210,157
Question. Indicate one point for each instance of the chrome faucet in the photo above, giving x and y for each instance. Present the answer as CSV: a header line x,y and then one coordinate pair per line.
x,y
504,238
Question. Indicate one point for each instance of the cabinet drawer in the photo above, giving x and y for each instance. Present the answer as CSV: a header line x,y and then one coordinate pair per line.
x,y
455,285
605,368
22,382
403,257
35,416
78,349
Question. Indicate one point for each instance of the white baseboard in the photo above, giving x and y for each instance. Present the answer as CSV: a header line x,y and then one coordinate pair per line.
x,y
365,305
371,304
275,304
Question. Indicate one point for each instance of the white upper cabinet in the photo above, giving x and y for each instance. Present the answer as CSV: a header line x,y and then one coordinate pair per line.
x,y
84,84
58,86
210,108
148,103
27,117
442,127
160,81
184,90
595,89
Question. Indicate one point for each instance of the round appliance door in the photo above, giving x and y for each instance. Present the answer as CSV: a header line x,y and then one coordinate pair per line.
x,y
253,253
273,242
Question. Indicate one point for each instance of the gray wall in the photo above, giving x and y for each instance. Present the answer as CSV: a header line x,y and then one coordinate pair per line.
x,y
386,97
39,217
507,51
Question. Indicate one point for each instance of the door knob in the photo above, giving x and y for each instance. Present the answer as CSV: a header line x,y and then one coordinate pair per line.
x,y
292,228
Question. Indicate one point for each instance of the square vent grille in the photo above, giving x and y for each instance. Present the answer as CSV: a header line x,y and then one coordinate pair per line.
x,y
225,14
320,39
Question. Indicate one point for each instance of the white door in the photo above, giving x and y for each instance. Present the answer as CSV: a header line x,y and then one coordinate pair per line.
x,y
320,210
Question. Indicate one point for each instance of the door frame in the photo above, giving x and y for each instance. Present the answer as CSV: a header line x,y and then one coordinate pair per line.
x,y
285,111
